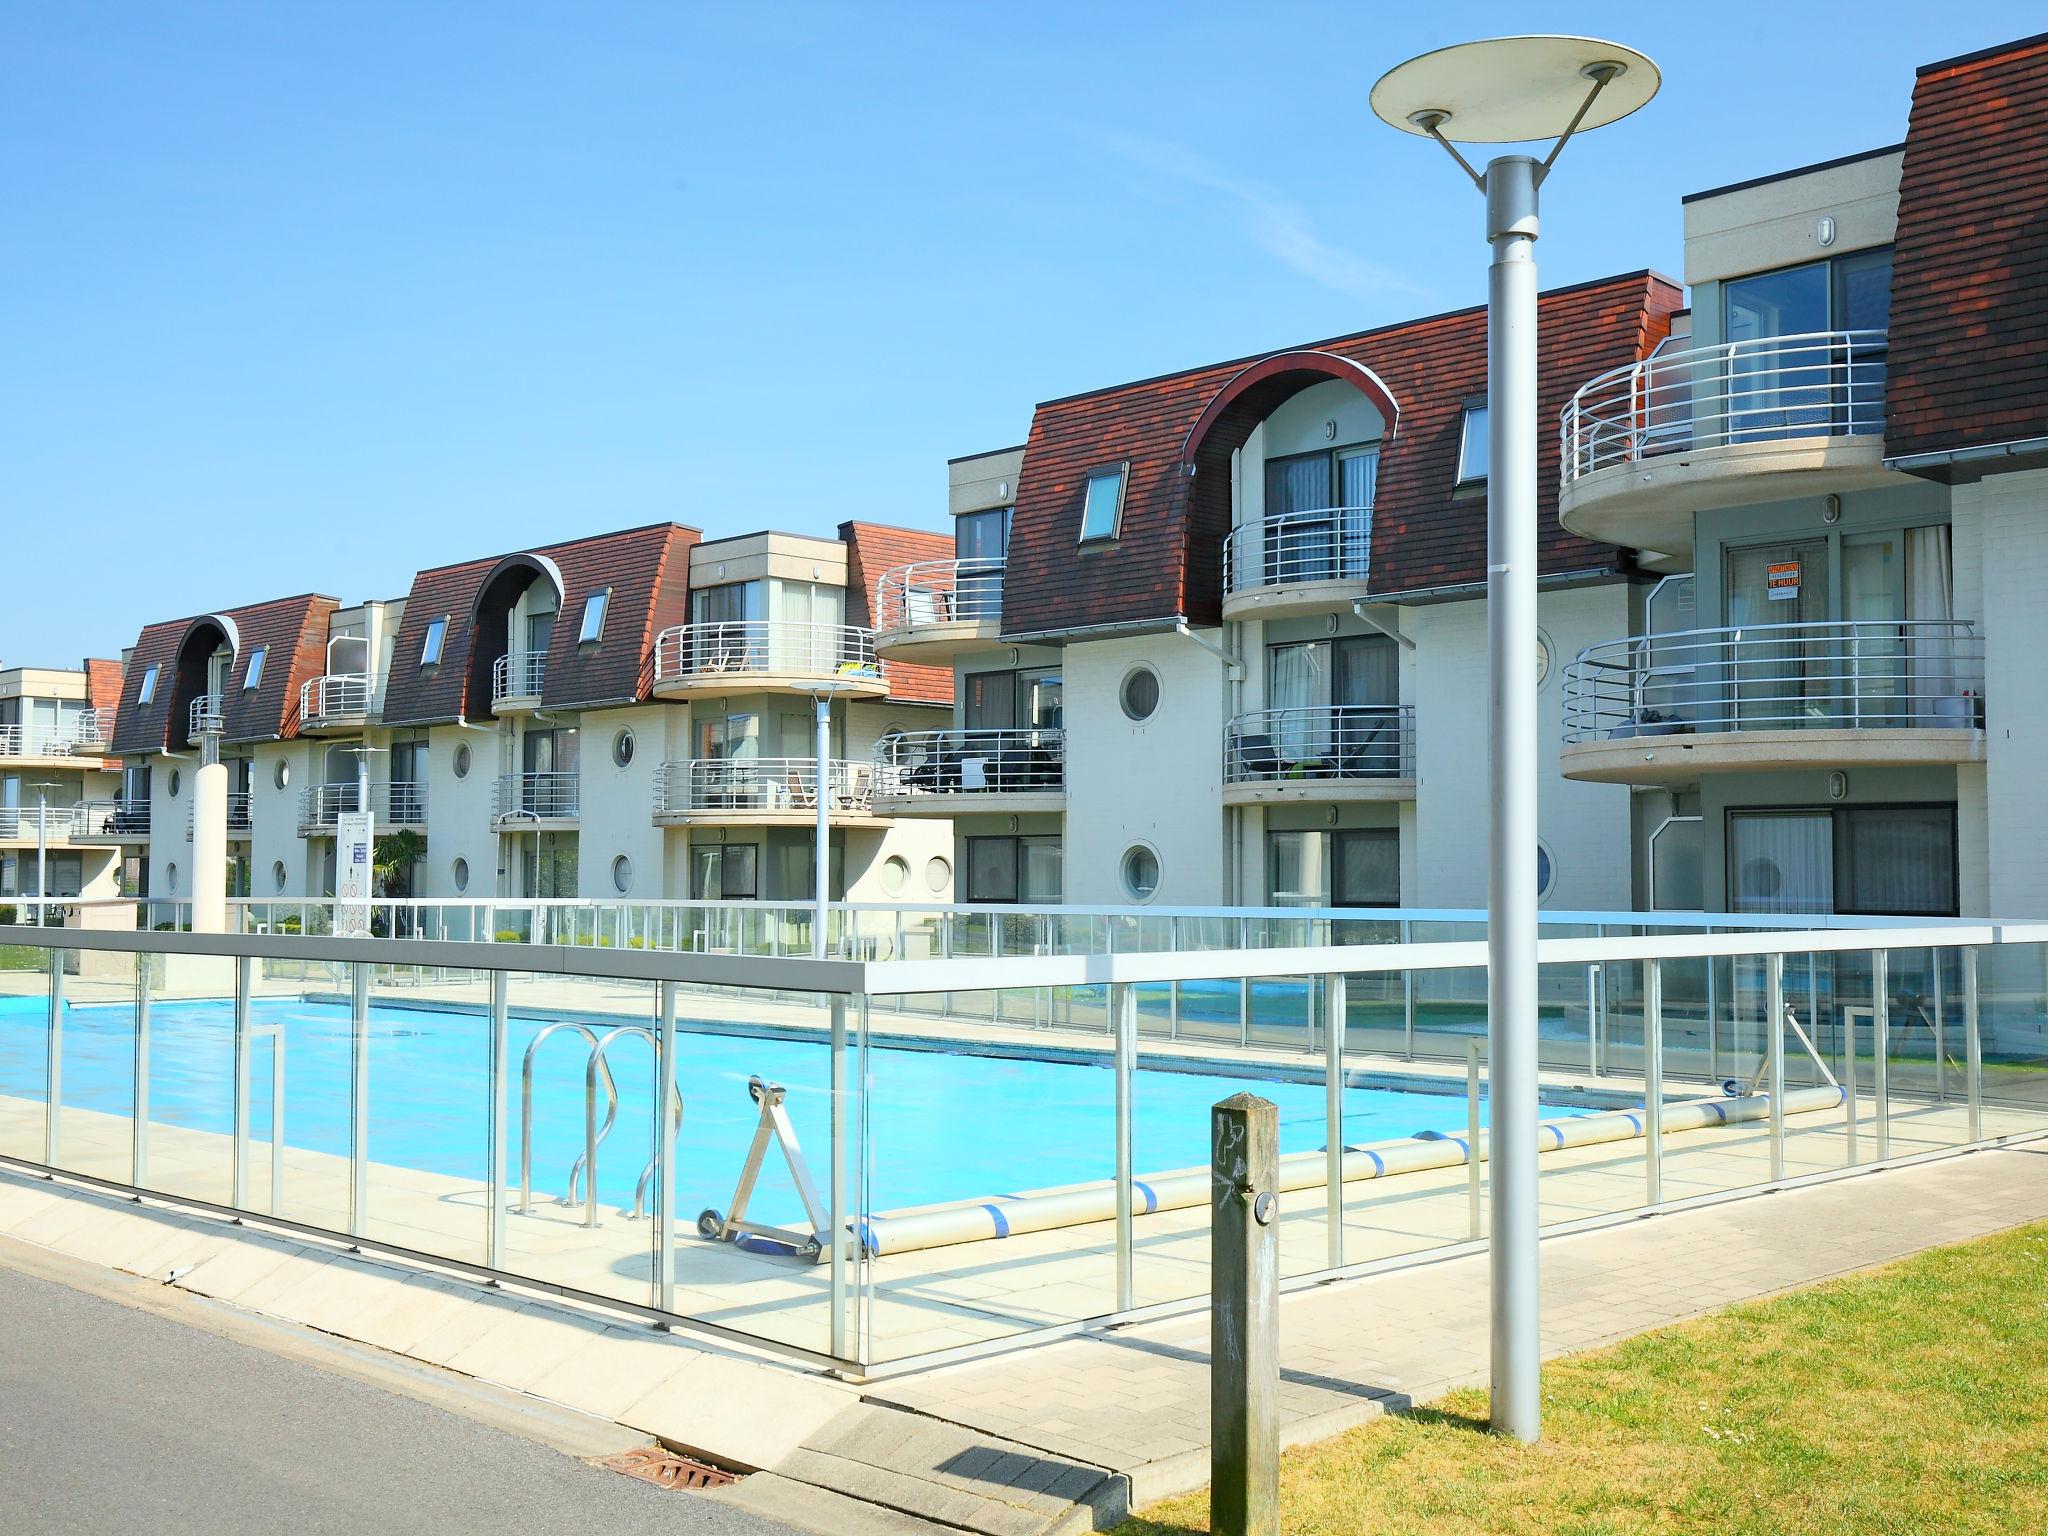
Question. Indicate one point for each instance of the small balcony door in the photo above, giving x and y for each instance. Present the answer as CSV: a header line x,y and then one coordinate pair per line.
x,y
1779,680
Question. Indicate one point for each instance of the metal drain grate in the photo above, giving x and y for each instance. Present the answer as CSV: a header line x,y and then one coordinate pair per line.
x,y
665,1469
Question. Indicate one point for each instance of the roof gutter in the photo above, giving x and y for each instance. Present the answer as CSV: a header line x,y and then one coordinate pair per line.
x,y
1416,596
2019,447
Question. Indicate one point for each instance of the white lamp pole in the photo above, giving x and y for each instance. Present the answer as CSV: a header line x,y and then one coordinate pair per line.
x,y
1511,90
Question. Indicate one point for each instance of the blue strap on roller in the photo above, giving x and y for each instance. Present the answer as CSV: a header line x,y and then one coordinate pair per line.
x,y
1151,1200
1379,1168
995,1216
1633,1119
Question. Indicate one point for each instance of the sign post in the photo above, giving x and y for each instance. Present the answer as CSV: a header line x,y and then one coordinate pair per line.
x,y
352,866
1244,1319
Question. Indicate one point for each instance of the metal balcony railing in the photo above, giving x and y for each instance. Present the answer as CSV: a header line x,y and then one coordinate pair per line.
x,y
1289,548
765,647
535,797
57,822
43,740
336,696
1871,675
1027,762
1329,741
939,592
1819,384
208,716
761,784
518,676
115,818
91,730
391,805
238,815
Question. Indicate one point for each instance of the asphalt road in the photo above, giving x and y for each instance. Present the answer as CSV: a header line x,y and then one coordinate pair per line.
x,y
117,1420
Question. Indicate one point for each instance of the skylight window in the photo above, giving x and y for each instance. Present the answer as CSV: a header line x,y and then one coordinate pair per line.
x,y
437,635
1472,446
148,693
253,678
594,607
1103,509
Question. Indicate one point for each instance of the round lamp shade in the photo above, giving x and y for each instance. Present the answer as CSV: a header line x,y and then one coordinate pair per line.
x,y
1510,90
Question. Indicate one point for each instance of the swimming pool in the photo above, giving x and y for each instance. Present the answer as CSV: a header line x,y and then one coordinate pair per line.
x,y
945,1124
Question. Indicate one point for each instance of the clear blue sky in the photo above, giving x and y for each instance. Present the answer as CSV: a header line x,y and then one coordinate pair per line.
x,y
307,296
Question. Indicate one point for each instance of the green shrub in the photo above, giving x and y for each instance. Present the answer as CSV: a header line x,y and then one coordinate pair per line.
x,y
509,936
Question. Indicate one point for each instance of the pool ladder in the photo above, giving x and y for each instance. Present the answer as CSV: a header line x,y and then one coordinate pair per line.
x,y
596,1070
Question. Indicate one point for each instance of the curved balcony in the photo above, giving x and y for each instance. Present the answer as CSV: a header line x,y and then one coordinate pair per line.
x,y
1320,753
535,799
946,773
765,656
762,792
516,682
336,702
90,732
208,716
391,806
1296,562
931,610
109,822
1648,444
1663,709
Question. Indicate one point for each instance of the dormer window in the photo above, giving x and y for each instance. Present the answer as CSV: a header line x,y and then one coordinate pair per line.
x,y
594,607
437,636
1102,509
1472,445
253,678
148,693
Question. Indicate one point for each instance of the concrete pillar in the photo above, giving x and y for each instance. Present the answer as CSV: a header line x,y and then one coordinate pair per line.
x,y
210,848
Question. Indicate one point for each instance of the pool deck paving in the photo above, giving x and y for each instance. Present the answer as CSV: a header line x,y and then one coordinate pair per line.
x,y
1050,1436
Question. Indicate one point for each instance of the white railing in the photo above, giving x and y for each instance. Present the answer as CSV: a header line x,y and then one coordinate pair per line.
x,y
1819,384
336,696
526,797
46,740
761,784
1013,762
1290,548
208,716
1874,675
1335,741
91,730
238,814
400,804
18,822
518,676
939,592
116,818
764,647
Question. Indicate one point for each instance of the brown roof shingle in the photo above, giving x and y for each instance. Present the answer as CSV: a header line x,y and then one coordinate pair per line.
x,y
871,549
292,632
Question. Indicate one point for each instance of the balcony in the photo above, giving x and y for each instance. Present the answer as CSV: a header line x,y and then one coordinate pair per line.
x,y
1663,709
338,702
112,822
529,799
946,773
55,825
765,656
90,733
1647,445
49,743
1296,563
516,682
762,792
208,717
238,815
930,611
391,806
1322,753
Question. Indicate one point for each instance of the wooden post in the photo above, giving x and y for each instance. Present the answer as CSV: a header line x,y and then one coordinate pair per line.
x,y
1244,1317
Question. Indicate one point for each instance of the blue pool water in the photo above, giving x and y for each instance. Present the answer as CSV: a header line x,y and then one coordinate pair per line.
x,y
944,1124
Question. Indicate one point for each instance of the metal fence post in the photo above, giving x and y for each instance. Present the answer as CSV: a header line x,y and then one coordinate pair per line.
x,y
1881,1049
1653,1081
668,1120
1940,1029
244,977
836,1237
1851,1110
1244,1318
1333,1114
1593,1019
1973,1045
499,1088
359,1099
1475,1179
53,1065
1713,1010
1123,1005
1408,997
1774,1047
138,1126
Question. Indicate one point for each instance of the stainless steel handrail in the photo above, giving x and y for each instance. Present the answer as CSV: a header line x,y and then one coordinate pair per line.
x,y
1290,548
518,675
981,761
542,795
208,716
337,695
760,783
761,646
400,803
1332,741
968,591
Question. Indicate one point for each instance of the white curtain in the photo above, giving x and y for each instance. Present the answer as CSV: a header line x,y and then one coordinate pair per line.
x,y
1781,864
1930,596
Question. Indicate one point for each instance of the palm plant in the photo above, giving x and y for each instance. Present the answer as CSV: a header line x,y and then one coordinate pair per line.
x,y
392,860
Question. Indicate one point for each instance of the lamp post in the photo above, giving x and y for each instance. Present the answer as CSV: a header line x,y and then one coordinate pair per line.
x,y
43,788
1499,91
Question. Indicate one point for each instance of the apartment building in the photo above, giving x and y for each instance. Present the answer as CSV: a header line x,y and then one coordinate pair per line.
x,y
57,785
630,715
1840,459
1220,636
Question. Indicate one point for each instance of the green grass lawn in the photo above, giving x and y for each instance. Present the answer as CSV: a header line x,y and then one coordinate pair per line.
x,y
1913,1399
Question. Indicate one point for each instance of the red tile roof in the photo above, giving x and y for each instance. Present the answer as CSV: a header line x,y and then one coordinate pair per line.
x,y
292,631
1968,358
871,549
1167,561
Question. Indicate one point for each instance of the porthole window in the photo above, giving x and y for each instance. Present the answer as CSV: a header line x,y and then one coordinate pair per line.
x,y
279,875
281,775
622,748
1546,872
171,878
895,875
1543,655
938,876
460,872
622,874
462,760
1141,872
1140,693
176,780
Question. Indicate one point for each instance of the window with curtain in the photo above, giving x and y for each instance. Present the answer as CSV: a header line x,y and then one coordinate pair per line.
x,y
1353,867
1869,860
1781,862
